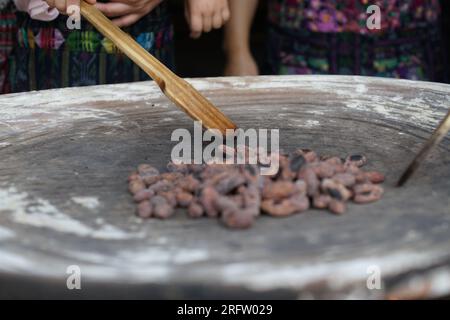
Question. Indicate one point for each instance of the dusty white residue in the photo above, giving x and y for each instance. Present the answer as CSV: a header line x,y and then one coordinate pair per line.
x,y
4,144
84,95
361,88
15,262
354,92
110,232
440,282
39,110
319,82
155,255
263,276
11,200
42,214
88,202
42,118
6,233
414,111
306,123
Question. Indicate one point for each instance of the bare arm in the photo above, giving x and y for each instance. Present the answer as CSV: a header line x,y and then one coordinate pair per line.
x,y
240,61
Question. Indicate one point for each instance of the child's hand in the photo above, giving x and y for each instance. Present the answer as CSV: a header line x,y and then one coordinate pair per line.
x,y
127,12
203,15
62,5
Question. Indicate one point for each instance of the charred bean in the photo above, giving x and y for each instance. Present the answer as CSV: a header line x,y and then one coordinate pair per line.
x,y
357,160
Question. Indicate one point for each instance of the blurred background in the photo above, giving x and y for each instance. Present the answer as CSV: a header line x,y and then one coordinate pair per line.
x,y
204,57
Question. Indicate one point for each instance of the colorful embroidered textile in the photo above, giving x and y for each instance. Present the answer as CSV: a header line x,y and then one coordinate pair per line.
x,y
331,37
48,55
350,15
8,27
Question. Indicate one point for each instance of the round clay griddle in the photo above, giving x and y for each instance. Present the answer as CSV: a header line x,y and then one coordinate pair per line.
x,y
66,154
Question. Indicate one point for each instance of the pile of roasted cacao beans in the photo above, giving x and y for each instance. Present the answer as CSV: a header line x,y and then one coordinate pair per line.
x,y
237,194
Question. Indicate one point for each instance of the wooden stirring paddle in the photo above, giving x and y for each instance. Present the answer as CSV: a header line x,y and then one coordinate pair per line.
x,y
175,88
433,141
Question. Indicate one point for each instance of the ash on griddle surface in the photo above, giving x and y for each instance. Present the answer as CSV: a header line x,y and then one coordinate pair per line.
x,y
237,194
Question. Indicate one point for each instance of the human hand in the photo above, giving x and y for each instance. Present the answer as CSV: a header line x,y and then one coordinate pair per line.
x,y
62,5
127,12
204,15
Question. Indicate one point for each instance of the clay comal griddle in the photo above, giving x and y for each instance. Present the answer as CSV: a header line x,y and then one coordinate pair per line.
x,y
65,158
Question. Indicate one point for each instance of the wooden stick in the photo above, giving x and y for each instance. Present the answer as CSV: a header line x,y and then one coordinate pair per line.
x,y
175,88
435,139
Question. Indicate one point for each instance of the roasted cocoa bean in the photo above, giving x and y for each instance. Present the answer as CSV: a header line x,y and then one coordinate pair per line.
x,y
334,161
286,207
237,220
300,187
335,190
170,197
296,162
278,190
147,170
346,179
161,208
309,155
142,195
151,180
133,176
238,193
182,168
136,186
366,193
195,210
374,177
208,200
363,188
323,170
144,209
321,201
161,186
311,179
171,176
339,168
337,206
184,198
188,183
357,160
229,183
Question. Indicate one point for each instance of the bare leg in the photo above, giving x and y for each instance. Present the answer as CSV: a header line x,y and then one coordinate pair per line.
x,y
240,61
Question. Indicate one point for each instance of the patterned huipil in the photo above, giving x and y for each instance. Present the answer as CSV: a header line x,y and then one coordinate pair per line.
x,y
8,29
46,54
332,37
